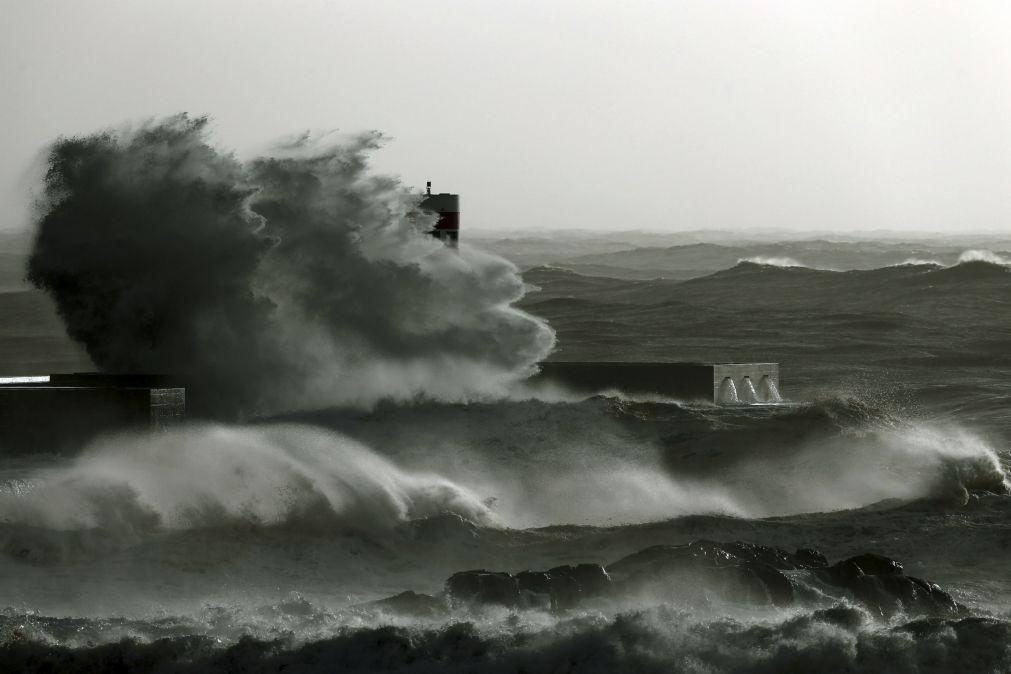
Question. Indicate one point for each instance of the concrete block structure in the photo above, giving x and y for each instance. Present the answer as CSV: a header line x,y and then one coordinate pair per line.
x,y
720,383
61,412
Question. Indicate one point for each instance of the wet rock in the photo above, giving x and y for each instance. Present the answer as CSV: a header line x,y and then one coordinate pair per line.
x,y
592,579
941,601
536,582
662,560
887,595
657,560
778,588
537,589
870,564
880,585
703,572
484,587
574,584
846,572
558,588
761,554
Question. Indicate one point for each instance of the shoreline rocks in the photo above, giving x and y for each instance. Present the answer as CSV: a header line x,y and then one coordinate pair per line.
x,y
699,574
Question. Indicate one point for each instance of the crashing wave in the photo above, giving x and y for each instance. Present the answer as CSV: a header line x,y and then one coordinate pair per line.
x,y
918,262
613,460
308,281
772,261
983,256
215,475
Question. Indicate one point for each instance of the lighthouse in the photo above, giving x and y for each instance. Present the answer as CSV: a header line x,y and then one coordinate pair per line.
x,y
447,207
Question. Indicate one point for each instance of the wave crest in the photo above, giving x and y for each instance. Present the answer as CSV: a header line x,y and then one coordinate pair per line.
x,y
837,454
214,475
772,261
983,256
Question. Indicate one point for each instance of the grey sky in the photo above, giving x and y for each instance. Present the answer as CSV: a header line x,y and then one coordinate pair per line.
x,y
550,114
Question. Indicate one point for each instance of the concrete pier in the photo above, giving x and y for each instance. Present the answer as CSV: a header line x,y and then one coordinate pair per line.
x,y
61,412
703,382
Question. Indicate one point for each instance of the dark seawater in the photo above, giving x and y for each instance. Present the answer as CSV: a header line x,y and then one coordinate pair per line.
x,y
263,547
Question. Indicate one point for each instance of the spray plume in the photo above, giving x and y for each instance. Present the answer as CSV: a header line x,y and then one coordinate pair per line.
x,y
292,280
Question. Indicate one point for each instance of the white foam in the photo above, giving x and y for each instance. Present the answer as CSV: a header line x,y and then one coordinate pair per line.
x,y
983,256
772,261
918,262
215,475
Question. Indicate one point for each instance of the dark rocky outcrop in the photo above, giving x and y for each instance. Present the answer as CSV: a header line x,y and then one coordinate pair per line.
x,y
709,554
701,573
704,571
558,588
880,585
866,564
484,587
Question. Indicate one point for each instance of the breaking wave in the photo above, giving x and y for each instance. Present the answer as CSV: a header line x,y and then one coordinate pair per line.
x,y
983,256
968,256
918,262
772,261
616,461
213,476
619,462
295,280
835,455
975,255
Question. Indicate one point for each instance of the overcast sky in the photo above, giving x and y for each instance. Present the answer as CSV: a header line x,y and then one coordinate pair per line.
x,y
548,114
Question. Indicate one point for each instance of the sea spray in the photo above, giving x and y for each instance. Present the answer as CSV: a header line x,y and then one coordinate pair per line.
x,y
595,462
611,460
294,280
206,476
983,256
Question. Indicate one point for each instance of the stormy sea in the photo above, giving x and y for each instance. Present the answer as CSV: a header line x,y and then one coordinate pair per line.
x,y
369,481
